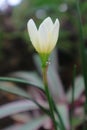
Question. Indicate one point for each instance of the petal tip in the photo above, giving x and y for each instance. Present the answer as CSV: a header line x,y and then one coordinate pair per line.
x,y
57,21
30,21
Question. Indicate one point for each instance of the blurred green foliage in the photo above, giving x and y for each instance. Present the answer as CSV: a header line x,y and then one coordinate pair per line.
x,y
13,22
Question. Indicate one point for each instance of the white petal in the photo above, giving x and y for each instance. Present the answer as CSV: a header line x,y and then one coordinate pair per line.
x,y
33,33
44,34
55,33
47,23
43,37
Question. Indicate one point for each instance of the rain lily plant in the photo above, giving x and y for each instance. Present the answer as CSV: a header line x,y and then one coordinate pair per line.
x,y
44,40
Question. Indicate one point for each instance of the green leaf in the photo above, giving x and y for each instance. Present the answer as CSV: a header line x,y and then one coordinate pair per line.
x,y
16,107
30,77
63,111
17,80
31,125
13,89
17,91
55,84
78,89
34,124
77,121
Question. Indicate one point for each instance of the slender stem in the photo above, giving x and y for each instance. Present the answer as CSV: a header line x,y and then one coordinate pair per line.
x,y
49,96
72,102
83,56
82,49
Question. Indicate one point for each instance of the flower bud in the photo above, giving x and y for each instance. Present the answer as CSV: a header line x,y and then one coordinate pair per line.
x,y
45,38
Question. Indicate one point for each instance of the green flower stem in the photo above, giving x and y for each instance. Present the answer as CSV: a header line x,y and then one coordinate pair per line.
x,y
73,90
44,70
83,55
82,49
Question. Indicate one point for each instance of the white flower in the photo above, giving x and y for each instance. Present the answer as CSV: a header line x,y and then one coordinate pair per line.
x,y
45,38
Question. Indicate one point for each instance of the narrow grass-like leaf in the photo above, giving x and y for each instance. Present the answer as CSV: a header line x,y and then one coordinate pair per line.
x,y
31,77
13,89
78,89
16,107
76,122
34,124
83,57
17,80
72,102
13,127
55,84
31,125
17,91
82,47
61,122
64,115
